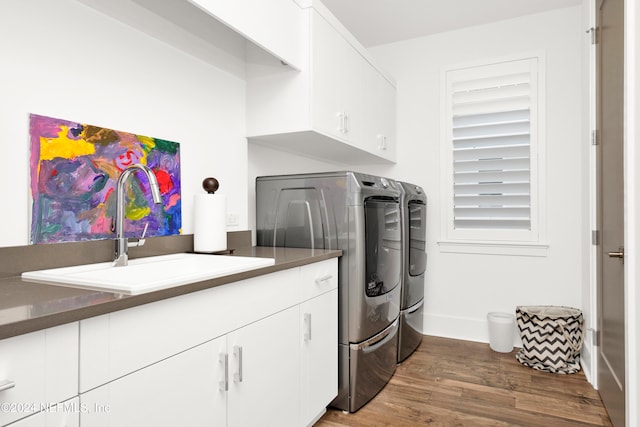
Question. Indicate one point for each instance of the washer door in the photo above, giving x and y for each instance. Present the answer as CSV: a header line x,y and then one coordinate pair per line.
x,y
383,267
373,292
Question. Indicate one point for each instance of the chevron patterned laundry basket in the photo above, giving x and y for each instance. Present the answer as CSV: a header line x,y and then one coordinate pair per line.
x,y
551,338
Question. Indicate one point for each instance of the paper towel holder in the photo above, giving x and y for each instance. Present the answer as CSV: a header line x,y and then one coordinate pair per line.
x,y
210,185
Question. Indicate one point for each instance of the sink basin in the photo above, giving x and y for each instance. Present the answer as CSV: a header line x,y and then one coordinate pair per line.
x,y
147,274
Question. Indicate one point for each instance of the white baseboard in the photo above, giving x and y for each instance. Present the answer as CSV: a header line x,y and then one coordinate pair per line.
x,y
588,360
461,328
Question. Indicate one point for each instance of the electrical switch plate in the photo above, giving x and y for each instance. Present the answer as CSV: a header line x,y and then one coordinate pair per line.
x,y
233,219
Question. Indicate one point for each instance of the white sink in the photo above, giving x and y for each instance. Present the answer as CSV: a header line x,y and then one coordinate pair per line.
x,y
148,274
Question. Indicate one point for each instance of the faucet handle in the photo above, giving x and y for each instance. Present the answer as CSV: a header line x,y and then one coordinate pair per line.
x,y
141,240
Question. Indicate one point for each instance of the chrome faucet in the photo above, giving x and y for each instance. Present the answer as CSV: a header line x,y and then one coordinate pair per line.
x,y
122,244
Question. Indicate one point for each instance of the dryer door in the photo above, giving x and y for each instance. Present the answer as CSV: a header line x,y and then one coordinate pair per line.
x,y
415,264
417,235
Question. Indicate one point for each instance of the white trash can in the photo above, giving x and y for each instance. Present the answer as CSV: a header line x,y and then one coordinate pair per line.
x,y
501,331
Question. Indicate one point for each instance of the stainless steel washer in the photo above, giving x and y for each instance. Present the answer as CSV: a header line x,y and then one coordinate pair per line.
x,y
359,214
413,212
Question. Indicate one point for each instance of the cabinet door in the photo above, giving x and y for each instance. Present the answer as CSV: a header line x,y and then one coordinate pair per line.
x,y
263,372
110,345
329,79
381,123
183,390
61,414
38,369
318,355
273,25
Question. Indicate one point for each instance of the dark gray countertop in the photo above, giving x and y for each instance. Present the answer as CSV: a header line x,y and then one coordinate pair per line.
x,y
27,306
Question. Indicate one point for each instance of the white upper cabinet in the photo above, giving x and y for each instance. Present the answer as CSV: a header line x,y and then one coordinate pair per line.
x,y
220,32
274,25
339,107
311,87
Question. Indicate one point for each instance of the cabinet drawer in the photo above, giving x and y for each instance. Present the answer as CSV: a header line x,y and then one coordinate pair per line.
x,y
119,343
318,278
38,369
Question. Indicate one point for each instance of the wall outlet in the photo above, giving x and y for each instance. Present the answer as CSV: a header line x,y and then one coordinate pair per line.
x,y
233,219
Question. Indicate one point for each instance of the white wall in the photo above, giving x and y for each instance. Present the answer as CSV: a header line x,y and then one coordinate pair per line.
x,y
462,288
65,60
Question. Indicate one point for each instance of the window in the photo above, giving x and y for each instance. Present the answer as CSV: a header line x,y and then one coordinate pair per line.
x,y
492,148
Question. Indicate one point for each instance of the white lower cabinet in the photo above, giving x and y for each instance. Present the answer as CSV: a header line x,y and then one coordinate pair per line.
x,y
263,383
62,414
274,364
38,371
246,378
318,355
179,391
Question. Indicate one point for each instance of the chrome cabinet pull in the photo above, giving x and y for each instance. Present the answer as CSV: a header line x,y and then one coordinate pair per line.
x,y
224,359
340,122
237,352
307,326
6,385
324,278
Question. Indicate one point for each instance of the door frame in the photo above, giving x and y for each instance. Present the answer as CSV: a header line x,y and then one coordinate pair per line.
x,y
632,212
632,208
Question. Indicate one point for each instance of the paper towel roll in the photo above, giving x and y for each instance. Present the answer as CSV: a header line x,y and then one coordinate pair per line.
x,y
210,229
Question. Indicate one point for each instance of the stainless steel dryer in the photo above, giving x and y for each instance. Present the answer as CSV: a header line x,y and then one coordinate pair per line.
x,y
360,215
413,213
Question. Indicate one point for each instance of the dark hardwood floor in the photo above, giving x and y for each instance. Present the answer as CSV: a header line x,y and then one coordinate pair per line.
x,y
449,382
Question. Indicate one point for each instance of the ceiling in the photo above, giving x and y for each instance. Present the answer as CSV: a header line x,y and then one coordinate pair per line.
x,y
375,22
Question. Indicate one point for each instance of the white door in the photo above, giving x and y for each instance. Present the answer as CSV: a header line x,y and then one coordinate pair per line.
x,y
182,390
263,372
329,79
610,78
64,414
318,355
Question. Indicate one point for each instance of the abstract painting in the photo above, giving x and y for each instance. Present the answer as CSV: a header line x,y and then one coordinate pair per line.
x,y
74,172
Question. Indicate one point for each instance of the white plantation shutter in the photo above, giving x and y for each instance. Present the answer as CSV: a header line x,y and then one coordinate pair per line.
x,y
491,132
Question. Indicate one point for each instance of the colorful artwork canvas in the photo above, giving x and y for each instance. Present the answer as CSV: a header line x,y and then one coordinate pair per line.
x,y
74,172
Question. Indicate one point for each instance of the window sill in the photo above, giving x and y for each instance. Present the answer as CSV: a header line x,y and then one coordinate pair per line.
x,y
494,248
